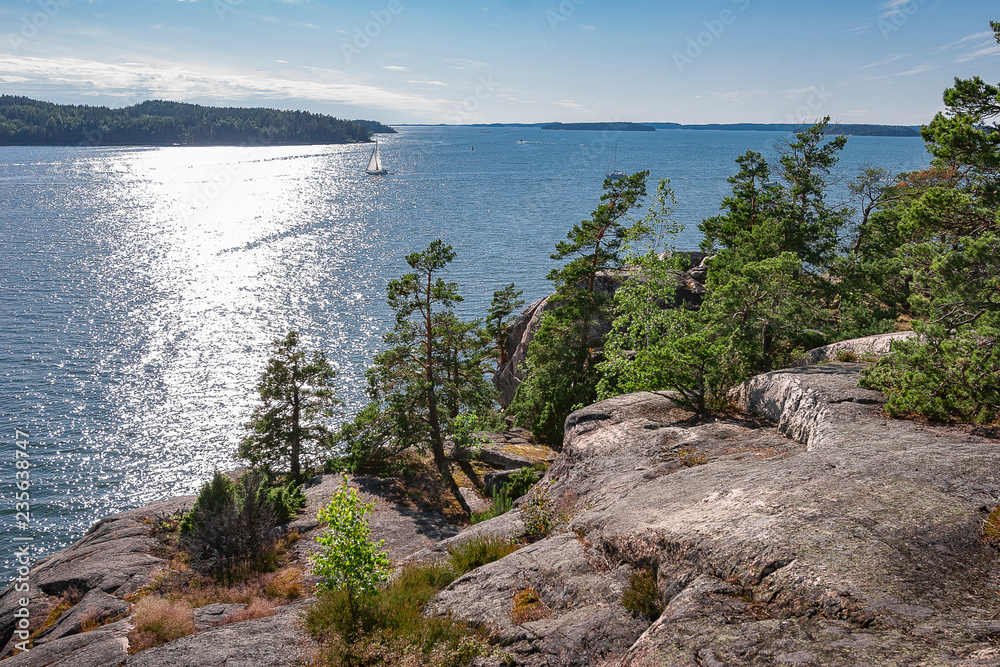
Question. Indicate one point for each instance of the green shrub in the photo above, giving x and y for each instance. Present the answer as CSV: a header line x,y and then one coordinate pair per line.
x,y
940,378
231,528
538,514
212,498
387,625
642,597
520,482
286,500
501,505
480,551
349,558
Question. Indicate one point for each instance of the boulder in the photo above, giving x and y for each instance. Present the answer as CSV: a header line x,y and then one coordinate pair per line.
x,y
857,349
95,608
117,556
272,641
811,530
212,615
106,646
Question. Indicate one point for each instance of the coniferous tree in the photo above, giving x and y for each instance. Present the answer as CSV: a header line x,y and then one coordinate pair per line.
x,y
432,371
952,260
563,356
297,400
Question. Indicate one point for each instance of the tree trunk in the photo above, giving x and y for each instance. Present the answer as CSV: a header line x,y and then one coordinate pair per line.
x,y
296,435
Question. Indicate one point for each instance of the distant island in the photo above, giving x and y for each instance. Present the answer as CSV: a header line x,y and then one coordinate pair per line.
x,y
857,129
606,127
27,122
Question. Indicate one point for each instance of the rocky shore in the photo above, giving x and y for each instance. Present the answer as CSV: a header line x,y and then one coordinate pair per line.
x,y
807,529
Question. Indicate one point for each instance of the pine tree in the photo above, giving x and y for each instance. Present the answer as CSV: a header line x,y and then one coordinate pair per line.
x,y
297,400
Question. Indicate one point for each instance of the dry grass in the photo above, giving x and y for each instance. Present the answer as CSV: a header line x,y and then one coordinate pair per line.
x,y
65,602
528,606
991,528
258,608
691,458
158,621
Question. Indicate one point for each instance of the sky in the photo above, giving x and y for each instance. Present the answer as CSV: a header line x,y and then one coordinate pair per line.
x,y
424,61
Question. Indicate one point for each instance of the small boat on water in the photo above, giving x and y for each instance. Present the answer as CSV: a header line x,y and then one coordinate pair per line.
x,y
614,174
375,167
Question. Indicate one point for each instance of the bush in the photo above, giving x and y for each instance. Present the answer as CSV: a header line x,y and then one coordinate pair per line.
x,y
231,528
158,621
538,514
642,597
480,551
387,626
521,481
941,378
213,497
349,560
501,505
286,500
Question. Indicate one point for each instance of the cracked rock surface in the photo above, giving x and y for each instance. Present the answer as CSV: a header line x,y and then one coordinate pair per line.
x,y
830,535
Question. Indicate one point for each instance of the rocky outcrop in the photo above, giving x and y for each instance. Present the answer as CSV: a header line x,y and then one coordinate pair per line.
x,y
856,349
117,556
809,529
813,531
273,641
690,289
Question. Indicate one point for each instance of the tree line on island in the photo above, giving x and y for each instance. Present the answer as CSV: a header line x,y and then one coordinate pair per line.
x,y
27,122
788,270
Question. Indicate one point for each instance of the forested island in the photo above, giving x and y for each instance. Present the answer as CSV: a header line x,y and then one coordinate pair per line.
x,y
27,122
856,130
607,127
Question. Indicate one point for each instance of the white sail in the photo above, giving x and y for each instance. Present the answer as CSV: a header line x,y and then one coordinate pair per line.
x,y
375,162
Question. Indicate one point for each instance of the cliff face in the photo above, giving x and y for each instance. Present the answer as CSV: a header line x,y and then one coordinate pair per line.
x,y
809,530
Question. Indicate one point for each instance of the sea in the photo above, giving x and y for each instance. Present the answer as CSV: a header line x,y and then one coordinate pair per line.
x,y
141,287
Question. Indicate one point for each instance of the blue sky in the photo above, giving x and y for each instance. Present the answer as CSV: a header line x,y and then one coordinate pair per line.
x,y
409,61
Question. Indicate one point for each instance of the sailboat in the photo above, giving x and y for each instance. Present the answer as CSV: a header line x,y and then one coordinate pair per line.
x,y
614,174
375,167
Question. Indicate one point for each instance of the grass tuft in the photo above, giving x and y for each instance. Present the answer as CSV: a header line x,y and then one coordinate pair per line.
x,y
158,621
388,626
528,606
480,551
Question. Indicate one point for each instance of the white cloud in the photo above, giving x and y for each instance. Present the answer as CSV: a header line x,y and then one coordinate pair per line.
x,y
978,53
987,35
396,68
137,81
588,28
885,61
428,83
569,104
